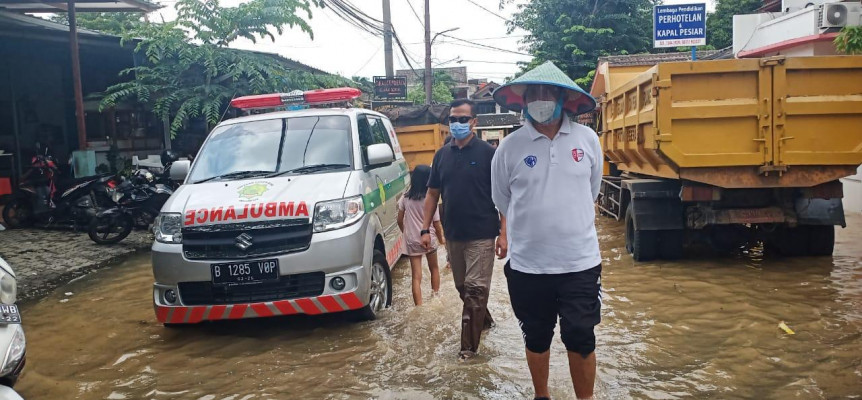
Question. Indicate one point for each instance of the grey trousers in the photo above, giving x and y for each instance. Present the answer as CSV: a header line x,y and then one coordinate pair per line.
x,y
472,266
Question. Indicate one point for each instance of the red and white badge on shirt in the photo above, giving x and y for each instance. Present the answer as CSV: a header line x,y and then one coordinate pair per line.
x,y
578,154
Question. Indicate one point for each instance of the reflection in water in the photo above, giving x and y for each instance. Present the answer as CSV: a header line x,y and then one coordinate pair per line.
x,y
693,328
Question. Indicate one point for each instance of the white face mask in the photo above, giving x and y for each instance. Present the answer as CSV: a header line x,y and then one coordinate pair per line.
x,y
542,111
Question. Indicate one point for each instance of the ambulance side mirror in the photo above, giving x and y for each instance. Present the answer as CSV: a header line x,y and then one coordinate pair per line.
x,y
379,154
179,170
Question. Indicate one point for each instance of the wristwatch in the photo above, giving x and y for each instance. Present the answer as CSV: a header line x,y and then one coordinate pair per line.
x,y
425,232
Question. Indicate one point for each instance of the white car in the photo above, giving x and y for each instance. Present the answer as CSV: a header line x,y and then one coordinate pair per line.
x,y
12,342
290,212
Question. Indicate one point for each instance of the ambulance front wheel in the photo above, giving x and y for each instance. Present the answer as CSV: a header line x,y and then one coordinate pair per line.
x,y
380,292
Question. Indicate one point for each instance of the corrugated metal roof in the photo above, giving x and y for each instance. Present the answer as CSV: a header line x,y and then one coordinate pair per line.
x,y
13,21
653,59
22,6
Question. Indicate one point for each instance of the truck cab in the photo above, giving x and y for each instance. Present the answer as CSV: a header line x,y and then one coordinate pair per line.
x,y
289,212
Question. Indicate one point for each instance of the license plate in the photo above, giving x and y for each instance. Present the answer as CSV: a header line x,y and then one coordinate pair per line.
x,y
238,273
9,314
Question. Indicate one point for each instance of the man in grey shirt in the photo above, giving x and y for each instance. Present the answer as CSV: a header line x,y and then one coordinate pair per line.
x,y
545,178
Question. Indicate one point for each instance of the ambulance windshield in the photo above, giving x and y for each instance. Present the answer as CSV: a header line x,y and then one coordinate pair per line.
x,y
275,145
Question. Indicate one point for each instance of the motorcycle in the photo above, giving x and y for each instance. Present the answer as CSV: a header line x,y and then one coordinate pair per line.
x,y
12,341
44,200
138,202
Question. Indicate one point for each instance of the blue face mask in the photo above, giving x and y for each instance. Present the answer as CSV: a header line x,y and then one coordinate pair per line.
x,y
459,130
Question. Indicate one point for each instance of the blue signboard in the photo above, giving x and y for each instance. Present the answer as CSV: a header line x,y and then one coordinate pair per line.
x,y
679,25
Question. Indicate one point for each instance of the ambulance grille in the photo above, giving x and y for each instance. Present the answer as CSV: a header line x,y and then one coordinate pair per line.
x,y
285,288
270,238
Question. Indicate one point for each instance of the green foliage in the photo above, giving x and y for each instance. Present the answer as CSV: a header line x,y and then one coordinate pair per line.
x,y
575,33
441,89
190,77
113,23
364,84
849,41
719,24
441,93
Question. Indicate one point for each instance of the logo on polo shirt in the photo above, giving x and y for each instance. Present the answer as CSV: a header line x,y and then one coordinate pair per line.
x,y
531,161
578,154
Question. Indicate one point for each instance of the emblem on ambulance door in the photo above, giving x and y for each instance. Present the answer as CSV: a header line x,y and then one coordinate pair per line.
x,y
578,154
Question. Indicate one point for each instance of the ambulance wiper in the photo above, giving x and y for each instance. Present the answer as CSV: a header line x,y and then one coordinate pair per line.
x,y
309,168
237,174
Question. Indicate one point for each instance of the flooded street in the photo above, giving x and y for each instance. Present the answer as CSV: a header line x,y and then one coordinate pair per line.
x,y
701,327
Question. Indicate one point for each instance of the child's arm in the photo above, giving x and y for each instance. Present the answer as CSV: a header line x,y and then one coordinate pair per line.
x,y
401,219
438,227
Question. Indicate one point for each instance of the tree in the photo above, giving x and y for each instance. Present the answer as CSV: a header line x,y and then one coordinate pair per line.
x,y
849,41
113,23
190,72
719,24
441,88
575,33
440,93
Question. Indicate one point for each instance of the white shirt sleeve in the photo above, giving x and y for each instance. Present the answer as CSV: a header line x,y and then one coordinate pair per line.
x,y
500,191
598,167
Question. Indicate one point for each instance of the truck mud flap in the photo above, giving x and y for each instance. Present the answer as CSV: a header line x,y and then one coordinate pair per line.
x,y
655,204
820,212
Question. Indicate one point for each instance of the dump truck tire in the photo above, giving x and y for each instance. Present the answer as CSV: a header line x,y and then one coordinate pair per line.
x,y
821,240
790,242
671,244
642,244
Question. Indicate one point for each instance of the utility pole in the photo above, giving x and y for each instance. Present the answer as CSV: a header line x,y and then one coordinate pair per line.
x,y
76,76
428,74
387,39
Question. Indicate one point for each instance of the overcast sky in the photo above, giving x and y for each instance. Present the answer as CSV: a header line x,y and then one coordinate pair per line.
x,y
340,48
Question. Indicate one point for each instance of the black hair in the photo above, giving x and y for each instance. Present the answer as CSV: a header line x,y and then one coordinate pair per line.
x,y
419,182
461,102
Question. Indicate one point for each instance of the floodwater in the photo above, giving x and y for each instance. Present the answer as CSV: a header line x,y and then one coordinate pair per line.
x,y
702,327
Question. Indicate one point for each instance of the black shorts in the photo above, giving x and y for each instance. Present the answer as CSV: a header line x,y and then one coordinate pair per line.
x,y
539,299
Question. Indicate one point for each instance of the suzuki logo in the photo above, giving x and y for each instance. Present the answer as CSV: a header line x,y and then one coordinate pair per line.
x,y
243,241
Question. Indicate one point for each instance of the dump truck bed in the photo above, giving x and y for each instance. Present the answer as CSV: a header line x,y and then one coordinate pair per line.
x,y
419,143
771,122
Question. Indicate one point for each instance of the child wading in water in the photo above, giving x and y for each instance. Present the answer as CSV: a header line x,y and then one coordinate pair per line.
x,y
410,214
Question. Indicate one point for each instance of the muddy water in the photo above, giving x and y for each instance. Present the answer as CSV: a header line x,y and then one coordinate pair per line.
x,y
704,327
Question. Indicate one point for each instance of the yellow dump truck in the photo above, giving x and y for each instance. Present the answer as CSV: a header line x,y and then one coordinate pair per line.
x,y
730,151
420,142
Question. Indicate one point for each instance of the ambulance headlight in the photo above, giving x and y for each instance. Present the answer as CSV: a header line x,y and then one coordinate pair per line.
x,y
8,288
15,352
338,214
167,228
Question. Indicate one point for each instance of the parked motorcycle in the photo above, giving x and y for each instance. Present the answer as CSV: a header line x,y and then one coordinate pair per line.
x,y
138,202
43,199
12,342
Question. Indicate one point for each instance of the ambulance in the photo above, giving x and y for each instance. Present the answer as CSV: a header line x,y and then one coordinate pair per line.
x,y
283,212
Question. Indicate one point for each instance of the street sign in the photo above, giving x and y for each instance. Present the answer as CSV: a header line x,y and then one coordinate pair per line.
x,y
390,88
679,25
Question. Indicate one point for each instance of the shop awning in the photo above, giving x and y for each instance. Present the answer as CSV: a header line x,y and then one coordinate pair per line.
x,y
53,6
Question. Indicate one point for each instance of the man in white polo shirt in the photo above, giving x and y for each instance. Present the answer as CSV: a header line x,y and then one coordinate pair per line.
x,y
545,178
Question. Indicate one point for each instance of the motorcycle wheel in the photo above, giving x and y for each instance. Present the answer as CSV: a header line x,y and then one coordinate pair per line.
x,y
18,213
110,229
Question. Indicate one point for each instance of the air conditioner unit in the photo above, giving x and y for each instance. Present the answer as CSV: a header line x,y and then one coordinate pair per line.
x,y
837,15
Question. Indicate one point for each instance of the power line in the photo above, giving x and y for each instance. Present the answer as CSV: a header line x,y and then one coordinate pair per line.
x,y
422,23
480,45
489,11
369,60
485,38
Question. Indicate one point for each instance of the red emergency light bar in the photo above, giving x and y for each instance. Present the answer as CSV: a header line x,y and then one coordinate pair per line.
x,y
311,97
